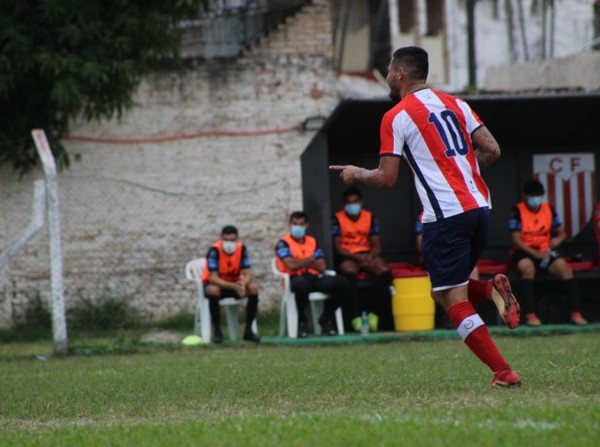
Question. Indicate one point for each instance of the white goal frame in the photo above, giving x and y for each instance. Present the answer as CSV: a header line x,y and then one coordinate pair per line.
x,y
59,324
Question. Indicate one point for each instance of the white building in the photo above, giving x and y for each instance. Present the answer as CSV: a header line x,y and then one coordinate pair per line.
x,y
507,33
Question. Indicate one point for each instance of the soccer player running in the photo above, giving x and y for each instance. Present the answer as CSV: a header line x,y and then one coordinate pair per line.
x,y
444,142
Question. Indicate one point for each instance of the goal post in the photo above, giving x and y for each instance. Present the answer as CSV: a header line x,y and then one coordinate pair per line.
x,y
35,225
59,324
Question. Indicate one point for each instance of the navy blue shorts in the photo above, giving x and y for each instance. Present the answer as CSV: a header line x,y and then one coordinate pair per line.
x,y
452,246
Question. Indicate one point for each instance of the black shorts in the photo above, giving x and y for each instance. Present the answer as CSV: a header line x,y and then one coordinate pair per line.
x,y
339,259
452,246
226,292
517,255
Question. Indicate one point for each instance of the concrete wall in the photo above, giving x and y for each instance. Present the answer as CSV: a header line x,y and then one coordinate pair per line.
x,y
573,32
134,214
580,72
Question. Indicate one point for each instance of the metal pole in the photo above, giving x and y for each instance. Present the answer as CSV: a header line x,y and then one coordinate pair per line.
x,y
472,58
36,224
544,28
596,45
522,28
345,20
510,30
552,27
59,325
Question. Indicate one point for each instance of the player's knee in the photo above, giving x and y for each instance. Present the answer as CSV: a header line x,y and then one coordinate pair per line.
x,y
212,290
252,289
380,267
564,271
348,267
527,269
437,297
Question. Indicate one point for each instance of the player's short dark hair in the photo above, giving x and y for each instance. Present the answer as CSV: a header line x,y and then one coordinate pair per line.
x,y
414,60
352,191
299,215
533,188
229,229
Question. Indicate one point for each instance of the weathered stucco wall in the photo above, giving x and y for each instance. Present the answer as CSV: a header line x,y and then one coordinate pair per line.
x,y
134,214
579,72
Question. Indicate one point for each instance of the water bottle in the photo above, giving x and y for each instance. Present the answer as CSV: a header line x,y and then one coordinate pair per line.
x,y
364,324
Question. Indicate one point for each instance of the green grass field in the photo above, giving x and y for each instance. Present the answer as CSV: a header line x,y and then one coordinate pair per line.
x,y
401,393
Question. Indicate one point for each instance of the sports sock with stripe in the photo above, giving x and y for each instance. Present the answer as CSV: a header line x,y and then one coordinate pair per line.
x,y
475,335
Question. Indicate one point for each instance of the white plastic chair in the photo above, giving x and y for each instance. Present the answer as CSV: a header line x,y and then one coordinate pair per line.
x,y
202,322
289,311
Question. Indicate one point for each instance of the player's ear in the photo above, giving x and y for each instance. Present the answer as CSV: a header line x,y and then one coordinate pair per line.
x,y
401,73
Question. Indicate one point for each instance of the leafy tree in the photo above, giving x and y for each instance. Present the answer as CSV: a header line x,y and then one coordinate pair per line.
x,y
60,59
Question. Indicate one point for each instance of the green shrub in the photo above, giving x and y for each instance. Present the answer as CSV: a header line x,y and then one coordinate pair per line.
x,y
106,312
37,314
35,324
183,321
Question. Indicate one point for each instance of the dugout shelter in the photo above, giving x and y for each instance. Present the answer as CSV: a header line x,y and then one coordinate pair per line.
x,y
526,126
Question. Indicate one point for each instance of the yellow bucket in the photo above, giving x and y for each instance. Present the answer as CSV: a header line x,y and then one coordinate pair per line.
x,y
412,305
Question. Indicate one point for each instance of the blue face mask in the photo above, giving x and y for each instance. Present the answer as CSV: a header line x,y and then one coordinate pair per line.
x,y
353,209
534,202
297,231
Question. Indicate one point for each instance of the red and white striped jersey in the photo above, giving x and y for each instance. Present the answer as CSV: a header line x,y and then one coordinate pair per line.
x,y
432,131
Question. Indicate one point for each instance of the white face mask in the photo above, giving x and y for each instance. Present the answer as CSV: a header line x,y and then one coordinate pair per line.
x,y
229,247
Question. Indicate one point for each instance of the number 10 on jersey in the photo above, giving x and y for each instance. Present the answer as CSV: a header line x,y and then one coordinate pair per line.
x,y
448,128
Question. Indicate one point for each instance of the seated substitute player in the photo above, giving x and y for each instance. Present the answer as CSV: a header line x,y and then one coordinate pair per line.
x,y
357,245
536,231
228,275
299,255
419,244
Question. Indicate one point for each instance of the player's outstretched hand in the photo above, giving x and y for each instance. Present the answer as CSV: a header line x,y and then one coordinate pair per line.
x,y
348,173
